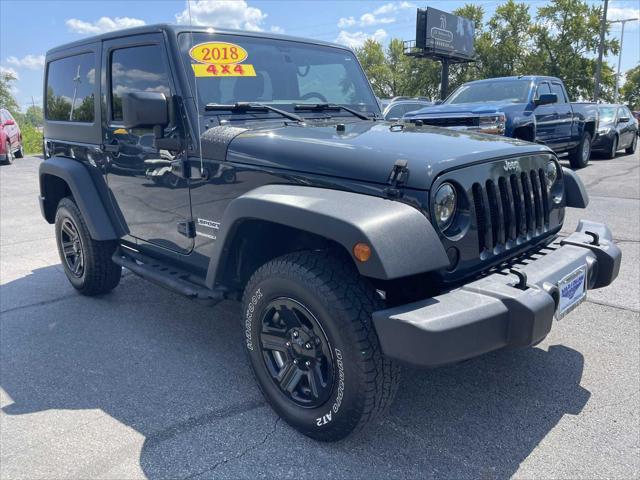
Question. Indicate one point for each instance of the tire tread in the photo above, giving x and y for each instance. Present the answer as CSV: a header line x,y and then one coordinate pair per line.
x,y
101,274
336,279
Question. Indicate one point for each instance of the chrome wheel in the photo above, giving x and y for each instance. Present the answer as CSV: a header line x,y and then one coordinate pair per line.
x,y
72,247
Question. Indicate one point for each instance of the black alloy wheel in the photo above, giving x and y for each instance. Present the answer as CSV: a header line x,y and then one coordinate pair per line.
x,y
297,353
72,248
87,263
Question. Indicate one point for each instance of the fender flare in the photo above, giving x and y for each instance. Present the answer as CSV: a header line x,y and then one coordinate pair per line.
x,y
575,191
85,194
402,240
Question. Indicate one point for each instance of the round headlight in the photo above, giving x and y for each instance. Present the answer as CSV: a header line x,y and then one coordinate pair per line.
x,y
551,172
445,205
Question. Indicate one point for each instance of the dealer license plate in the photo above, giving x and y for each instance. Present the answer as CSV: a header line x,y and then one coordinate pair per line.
x,y
573,290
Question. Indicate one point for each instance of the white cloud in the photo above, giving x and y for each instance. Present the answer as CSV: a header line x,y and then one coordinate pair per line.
x,y
9,71
102,25
276,29
32,62
369,19
357,39
346,22
615,12
392,7
375,17
223,14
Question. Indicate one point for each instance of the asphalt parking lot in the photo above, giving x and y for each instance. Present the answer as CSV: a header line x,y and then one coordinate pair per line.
x,y
145,383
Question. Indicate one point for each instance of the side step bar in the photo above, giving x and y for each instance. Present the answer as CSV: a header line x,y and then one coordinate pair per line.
x,y
166,276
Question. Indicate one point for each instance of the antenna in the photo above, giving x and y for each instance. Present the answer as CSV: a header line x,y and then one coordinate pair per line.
x,y
197,99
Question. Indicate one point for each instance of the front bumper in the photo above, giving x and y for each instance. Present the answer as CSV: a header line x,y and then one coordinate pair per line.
x,y
602,141
499,310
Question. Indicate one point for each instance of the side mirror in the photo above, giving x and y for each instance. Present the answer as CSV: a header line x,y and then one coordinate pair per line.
x,y
623,119
546,99
438,102
10,122
145,109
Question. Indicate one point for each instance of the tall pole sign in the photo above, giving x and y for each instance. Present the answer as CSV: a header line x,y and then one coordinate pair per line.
x,y
444,37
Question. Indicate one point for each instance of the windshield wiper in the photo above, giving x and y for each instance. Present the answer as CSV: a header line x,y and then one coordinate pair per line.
x,y
323,107
251,107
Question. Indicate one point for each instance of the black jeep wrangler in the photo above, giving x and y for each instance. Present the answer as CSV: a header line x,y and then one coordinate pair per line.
x,y
251,166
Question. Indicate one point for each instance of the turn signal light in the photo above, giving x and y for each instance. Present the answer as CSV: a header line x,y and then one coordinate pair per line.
x,y
362,252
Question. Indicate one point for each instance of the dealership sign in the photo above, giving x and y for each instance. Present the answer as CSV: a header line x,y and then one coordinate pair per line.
x,y
444,34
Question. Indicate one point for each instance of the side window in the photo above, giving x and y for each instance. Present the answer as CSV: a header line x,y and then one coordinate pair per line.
x,y
139,69
542,89
71,89
3,118
558,90
412,107
622,112
397,111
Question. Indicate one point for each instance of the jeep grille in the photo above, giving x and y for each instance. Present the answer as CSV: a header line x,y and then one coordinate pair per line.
x,y
505,209
510,207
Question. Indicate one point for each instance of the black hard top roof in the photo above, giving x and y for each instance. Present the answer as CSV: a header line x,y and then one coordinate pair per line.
x,y
176,29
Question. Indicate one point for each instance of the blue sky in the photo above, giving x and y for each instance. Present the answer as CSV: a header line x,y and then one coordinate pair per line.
x,y
28,28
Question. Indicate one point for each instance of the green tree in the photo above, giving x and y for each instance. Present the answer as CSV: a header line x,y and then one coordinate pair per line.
x,y
33,115
374,62
7,99
566,37
631,89
465,72
505,45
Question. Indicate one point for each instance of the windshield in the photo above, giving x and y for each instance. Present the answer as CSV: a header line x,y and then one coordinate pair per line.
x,y
512,91
234,68
607,114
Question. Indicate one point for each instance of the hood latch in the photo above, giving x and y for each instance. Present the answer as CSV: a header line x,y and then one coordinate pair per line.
x,y
398,176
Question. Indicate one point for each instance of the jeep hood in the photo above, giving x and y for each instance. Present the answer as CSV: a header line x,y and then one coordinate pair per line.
x,y
364,151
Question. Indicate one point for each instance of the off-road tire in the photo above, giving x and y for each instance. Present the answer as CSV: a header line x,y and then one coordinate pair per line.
x,y
631,149
577,157
99,274
611,153
342,303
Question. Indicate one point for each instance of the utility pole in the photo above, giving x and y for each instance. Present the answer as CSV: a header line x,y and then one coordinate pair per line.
x,y
623,22
603,29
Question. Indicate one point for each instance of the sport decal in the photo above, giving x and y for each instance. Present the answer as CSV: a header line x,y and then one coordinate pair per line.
x,y
220,59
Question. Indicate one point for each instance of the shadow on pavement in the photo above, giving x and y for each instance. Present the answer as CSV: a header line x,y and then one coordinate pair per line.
x,y
175,371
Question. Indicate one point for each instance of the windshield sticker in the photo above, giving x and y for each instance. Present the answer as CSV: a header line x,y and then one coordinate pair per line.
x,y
220,59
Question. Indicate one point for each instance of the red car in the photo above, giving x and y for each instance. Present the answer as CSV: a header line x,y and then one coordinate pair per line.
x,y
10,138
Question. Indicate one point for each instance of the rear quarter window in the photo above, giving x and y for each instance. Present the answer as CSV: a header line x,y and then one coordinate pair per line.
x,y
71,89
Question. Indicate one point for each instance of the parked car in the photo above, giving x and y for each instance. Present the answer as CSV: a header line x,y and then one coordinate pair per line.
x,y
354,244
617,129
398,108
10,138
532,108
384,102
636,115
